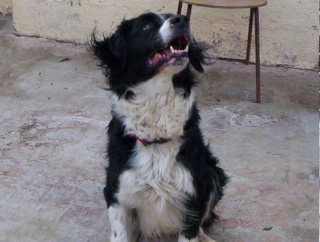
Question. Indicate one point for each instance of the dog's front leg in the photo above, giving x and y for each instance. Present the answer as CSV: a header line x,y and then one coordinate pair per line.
x,y
124,224
192,231
191,228
117,218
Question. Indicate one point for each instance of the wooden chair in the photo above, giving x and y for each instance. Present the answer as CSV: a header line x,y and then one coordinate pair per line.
x,y
237,4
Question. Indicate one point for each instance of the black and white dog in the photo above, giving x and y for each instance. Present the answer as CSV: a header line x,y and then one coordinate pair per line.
x,y
161,179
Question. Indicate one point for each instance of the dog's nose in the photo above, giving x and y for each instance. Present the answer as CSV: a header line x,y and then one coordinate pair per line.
x,y
179,20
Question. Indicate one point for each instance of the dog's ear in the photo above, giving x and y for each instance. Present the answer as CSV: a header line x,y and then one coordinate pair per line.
x,y
118,42
112,50
197,56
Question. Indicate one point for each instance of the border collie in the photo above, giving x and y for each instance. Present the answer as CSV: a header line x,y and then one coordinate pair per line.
x,y
162,180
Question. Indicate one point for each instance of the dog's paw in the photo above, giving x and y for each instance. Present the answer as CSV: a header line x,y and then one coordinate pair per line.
x,y
204,238
119,237
184,239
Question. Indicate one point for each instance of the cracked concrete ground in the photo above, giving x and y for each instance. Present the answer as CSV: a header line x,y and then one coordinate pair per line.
x,y
53,115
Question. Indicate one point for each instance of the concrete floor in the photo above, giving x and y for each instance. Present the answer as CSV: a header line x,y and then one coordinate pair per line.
x,y
53,115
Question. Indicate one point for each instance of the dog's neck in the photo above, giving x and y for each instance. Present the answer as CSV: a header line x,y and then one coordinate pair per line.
x,y
156,111
150,142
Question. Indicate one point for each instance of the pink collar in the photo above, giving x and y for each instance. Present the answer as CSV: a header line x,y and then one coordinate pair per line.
x,y
156,141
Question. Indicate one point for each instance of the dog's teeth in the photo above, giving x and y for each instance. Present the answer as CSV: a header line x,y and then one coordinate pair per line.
x,y
171,48
187,48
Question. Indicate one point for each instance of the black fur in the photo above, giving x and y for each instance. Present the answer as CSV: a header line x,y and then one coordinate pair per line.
x,y
123,55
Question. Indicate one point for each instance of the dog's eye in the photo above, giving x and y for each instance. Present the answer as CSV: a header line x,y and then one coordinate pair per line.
x,y
147,27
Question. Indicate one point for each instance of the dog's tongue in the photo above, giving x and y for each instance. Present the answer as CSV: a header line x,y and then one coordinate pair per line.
x,y
164,55
167,53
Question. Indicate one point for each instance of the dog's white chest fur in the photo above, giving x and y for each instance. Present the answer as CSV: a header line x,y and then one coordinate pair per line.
x,y
157,186
156,111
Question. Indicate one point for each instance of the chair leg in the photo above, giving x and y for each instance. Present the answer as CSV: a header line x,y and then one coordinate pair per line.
x,y
179,8
257,40
189,11
249,37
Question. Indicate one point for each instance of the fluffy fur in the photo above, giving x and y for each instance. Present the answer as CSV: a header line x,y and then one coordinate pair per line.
x,y
161,179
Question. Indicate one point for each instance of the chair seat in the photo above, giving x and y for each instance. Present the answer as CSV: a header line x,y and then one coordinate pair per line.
x,y
227,3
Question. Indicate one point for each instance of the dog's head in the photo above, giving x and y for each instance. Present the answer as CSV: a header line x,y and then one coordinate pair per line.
x,y
145,46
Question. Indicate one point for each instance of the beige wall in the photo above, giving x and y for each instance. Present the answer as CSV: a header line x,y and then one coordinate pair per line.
x,y
289,28
5,7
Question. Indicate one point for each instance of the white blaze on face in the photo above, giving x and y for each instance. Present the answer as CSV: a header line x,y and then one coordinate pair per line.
x,y
178,63
166,31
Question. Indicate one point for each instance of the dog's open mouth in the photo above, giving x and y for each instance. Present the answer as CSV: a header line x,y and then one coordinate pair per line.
x,y
176,51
